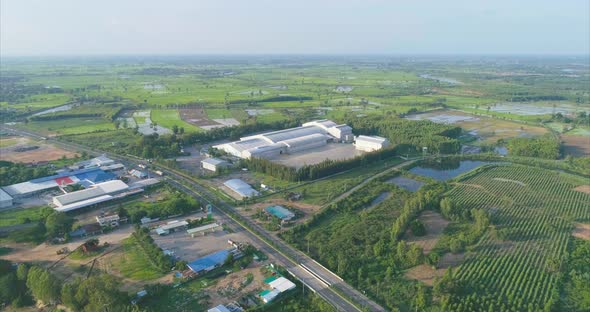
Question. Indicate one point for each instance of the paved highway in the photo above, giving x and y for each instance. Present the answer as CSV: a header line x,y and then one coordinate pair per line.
x,y
322,281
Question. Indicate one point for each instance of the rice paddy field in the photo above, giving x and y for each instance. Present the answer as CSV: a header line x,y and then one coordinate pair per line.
x,y
285,89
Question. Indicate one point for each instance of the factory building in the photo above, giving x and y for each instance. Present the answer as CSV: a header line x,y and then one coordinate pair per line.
x,y
95,194
370,143
272,144
85,177
214,164
5,199
241,188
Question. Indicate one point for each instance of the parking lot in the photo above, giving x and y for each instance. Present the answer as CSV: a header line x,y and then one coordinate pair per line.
x,y
333,151
189,249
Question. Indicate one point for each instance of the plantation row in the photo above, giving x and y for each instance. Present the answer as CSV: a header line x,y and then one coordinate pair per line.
x,y
517,266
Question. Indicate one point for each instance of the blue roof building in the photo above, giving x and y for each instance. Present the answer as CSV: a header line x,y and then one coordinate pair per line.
x,y
209,262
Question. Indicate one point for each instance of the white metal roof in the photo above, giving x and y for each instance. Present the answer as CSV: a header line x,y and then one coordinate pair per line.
x,y
202,228
287,134
29,187
172,225
84,203
270,295
282,284
241,187
372,139
219,308
4,196
99,189
213,161
305,139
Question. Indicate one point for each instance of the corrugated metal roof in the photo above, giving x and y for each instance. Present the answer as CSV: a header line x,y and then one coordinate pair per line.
x,y
372,139
172,225
100,189
209,261
282,284
4,196
213,161
316,137
202,228
241,187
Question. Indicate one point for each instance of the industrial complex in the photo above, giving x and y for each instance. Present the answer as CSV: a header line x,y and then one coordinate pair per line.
x,y
310,135
97,177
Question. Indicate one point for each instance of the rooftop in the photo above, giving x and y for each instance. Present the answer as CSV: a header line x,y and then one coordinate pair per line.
x,y
241,187
4,196
372,139
209,261
280,212
213,161
172,225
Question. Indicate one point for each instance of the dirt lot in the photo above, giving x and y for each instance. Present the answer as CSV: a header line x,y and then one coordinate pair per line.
x,y
47,253
196,116
435,225
334,151
231,287
45,152
576,145
426,273
582,231
190,249
583,189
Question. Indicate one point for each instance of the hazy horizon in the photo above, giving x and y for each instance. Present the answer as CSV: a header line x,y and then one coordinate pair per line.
x,y
66,28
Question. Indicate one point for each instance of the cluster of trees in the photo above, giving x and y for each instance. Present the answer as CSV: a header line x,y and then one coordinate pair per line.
x,y
13,285
536,98
11,173
547,146
427,198
21,286
577,279
176,204
479,218
146,243
438,138
156,146
320,170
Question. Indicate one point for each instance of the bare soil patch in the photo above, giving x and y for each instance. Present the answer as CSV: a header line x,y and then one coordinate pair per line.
x,y
424,273
44,152
435,225
582,231
234,285
576,145
196,116
427,274
583,189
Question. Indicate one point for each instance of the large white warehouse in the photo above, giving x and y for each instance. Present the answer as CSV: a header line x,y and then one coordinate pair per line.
x,y
272,144
370,143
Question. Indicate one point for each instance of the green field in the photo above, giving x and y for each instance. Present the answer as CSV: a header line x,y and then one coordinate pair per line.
x,y
134,264
23,215
70,126
168,118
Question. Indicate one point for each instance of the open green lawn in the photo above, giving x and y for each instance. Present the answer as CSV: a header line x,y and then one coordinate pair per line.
x,y
8,142
134,264
23,215
36,102
169,117
70,126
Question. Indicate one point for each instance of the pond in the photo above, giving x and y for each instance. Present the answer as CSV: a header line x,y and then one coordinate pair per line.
x,y
447,169
406,183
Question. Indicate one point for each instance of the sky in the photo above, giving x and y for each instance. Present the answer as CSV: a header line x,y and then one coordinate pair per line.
x,y
127,27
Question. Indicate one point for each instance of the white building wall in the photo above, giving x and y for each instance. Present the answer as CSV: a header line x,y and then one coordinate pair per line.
x,y
300,147
209,166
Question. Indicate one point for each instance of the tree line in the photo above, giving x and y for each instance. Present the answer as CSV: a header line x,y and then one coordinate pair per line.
x,y
437,138
316,171
547,147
